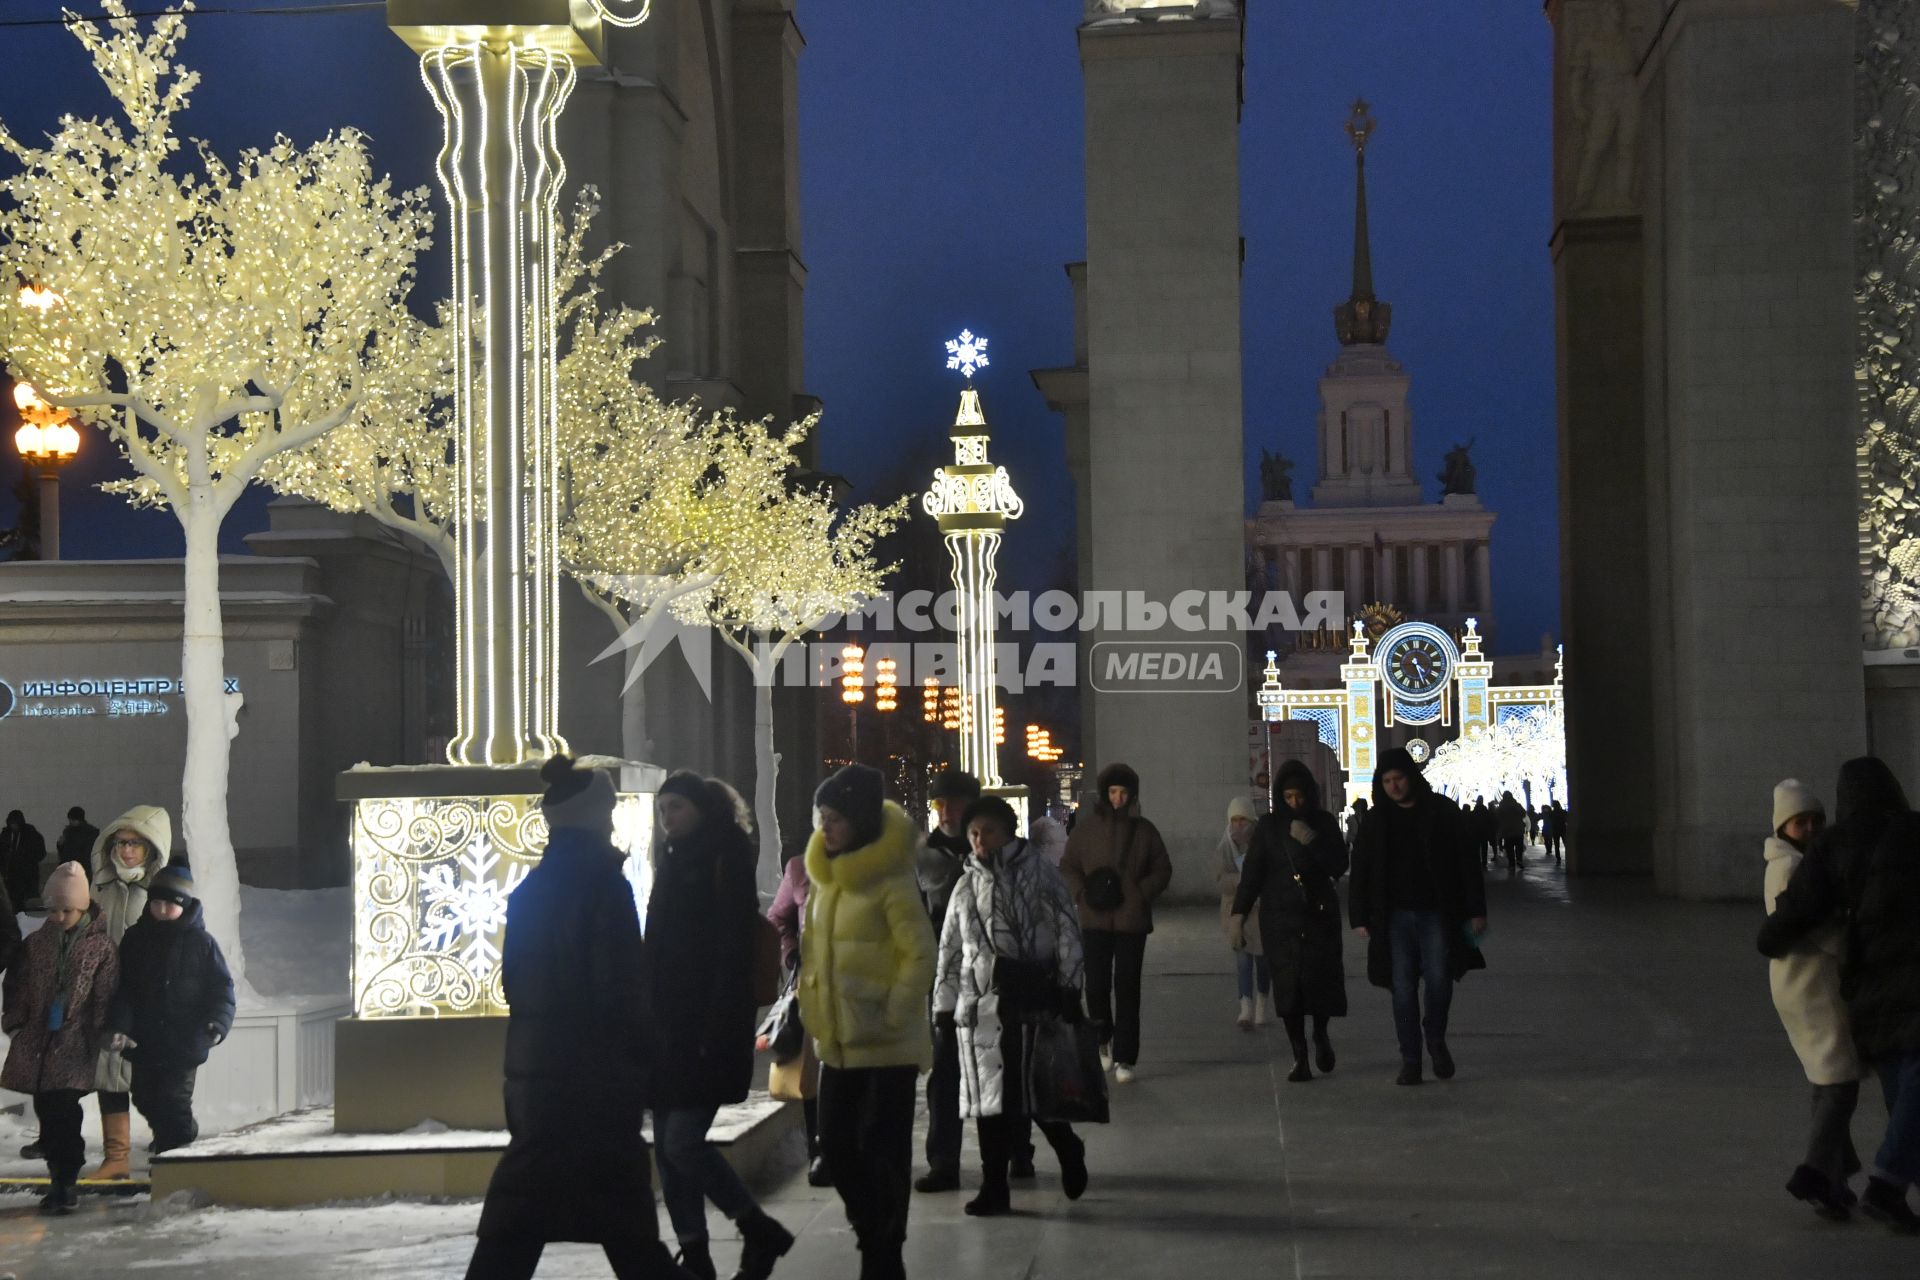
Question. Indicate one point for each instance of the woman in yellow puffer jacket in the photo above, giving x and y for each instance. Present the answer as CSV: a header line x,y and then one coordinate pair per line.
x,y
866,967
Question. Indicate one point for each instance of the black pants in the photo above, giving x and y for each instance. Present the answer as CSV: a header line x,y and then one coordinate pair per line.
x,y
516,1258
63,1146
164,1095
866,1134
1010,1134
1114,961
943,1101
114,1104
1830,1146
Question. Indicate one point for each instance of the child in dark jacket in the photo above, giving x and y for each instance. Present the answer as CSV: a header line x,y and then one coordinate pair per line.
x,y
174,1004
56,1012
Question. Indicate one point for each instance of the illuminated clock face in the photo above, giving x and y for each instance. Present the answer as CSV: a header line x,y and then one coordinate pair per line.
x,y
1416,666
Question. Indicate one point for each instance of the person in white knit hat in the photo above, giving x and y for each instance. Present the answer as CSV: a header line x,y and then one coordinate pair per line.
x,y
1806,992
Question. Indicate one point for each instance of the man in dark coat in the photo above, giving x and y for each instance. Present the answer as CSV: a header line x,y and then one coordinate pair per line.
x,y
172,1005
21,851
576,1167
941,862
1417,891
1865,869
77,838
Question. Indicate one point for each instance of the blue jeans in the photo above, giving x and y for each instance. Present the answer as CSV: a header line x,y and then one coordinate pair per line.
x,y
1248,967
692,1172
1899,1155
1419,940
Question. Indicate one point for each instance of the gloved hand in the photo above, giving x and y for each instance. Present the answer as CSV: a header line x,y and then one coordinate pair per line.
x,y
121,1042
1301,832
1237,932
215,1034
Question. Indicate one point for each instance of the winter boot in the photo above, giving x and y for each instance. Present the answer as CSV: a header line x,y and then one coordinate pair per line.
x,y
1886,1204
995,1199
1301,1072
1073,1168
1442,1059
116,1139
818,1175
1818,1190
933,1180
763,1242
33,1151
696,1259
1262,1009
61,1198
1245,1020
1409,1073
1323,1051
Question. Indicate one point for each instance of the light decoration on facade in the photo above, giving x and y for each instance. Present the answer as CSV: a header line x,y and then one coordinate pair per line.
x,y
853,667
1271,700
1040,745
999,726
972,500
431,881
930,700
952,709
623,13
886,684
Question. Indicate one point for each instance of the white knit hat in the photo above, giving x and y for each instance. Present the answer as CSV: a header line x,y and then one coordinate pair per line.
x,y
1791,799
1241,807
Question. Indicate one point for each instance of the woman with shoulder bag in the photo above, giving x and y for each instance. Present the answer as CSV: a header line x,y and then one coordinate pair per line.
x,y
788,913
1296,857
1010,953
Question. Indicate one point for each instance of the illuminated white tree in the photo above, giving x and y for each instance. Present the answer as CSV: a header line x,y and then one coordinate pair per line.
x,y
792,559
1509,755
208,318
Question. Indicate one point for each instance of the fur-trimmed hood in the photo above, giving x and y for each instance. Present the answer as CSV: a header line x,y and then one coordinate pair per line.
x,y
1118,775
151,823
856,869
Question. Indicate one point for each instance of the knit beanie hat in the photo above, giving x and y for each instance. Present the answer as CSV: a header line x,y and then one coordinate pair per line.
x,y
67,888
1241,807
855,793
174,884
954,784
576,797
1791,799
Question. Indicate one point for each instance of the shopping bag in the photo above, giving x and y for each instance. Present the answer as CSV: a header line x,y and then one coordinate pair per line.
x,y
797,1079
1063,1076
781,1033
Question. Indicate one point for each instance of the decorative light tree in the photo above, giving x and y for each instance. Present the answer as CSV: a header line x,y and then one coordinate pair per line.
x,y
973,499
796,560
208,320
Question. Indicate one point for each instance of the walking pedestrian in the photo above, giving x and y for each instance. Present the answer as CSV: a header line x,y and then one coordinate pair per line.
x,y
788,913
173,1004
1296,859
133,849
1010,952
1512,821
22,849
1356,815
1418,899
1482,827
1553,825
1252,978
866,967
1806,993
1116,864
77,838
702,919
939,866
1865,869
574,970
56,1015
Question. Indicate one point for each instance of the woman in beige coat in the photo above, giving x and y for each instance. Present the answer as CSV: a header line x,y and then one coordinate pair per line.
x,y
1249,963
1806,992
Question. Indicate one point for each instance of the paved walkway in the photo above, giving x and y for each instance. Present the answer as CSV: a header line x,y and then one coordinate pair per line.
x,y
1626,1105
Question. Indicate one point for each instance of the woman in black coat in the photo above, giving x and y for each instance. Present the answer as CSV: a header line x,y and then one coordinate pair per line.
x,y
1296,856
701,925
576,1165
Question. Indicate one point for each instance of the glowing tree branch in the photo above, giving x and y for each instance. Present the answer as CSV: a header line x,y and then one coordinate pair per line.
x,y
208,320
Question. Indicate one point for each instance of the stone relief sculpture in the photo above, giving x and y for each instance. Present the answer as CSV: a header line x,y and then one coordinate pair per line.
x,y
1600,173
1887,252
1276,477
1458,474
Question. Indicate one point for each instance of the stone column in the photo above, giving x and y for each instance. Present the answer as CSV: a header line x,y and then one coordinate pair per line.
x,y
1454,563
1417,557
1753,545
1389,585
1483,576
1357,585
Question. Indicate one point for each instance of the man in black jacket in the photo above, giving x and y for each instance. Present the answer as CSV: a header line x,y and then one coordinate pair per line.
x,y
1416,892
942,861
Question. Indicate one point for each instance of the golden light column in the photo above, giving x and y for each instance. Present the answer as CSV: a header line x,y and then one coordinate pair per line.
x,y
500,72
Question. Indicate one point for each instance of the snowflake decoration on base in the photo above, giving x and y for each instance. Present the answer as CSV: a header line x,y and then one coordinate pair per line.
x,y
967,353
463,907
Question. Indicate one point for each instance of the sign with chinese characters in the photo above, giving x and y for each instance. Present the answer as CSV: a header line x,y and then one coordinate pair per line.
x,y
71,697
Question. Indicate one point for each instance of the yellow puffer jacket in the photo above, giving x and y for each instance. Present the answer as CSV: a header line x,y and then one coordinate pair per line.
x,y
866,952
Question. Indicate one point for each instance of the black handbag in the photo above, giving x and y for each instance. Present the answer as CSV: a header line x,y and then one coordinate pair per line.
x,y
1063,1077
1104,889
785,1036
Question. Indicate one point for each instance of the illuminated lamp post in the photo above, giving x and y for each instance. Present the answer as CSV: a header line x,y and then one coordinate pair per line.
x,y
47,441
853,692
972,500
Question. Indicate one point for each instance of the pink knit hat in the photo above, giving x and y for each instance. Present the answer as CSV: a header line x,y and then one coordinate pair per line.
x,y
67,888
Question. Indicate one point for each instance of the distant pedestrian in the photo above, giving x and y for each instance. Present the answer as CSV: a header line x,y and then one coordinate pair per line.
x,y
77,838
1010,953
134,848
1356,815
1116,864
576,1166
1482,828
866,968
702,920
1512,820
1253,980
788,913
56,1014
1049,837
174,1003
1418,899
1296,860
939,867
22,849
1806,993
1865,870
1553,826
